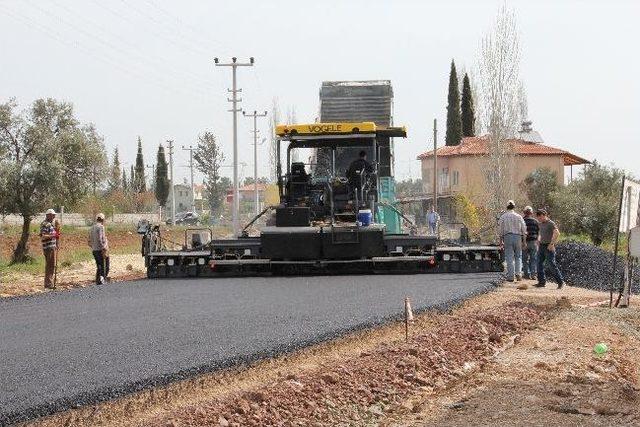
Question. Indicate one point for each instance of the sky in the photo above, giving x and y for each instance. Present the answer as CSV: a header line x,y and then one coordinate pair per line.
x,y
145,68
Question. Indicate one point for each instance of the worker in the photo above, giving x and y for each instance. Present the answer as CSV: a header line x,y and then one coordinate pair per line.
x,y
49,238
357,166
100,248
433,218
513,232
549,235
530,250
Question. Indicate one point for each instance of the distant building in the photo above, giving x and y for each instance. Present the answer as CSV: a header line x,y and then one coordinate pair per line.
x,y
462,168
183,198
247,193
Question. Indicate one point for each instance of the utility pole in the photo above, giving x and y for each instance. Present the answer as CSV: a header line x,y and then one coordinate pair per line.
x,y
255,116
234,109
173,188
435,166
193,197
153,176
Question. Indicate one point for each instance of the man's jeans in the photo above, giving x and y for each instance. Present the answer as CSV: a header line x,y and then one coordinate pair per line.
x,y
530,258
544,254
513,254
102,266
433,228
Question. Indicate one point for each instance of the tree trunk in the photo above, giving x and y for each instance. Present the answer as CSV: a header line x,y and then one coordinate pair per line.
x,y
21,252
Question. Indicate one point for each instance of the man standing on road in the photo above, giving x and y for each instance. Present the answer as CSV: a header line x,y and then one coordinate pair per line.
x,y
549,235
530,251
49,237
512,231
100,247
432,221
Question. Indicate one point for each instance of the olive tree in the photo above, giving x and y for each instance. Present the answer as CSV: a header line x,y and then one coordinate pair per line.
x,y
589,204
47,158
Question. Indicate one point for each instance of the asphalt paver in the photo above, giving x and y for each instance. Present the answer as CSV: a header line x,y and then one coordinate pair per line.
x,y
60,350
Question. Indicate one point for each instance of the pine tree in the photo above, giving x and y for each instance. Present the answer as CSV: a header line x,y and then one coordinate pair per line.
x,y
140,182
454,122
468,110
162,178
115,178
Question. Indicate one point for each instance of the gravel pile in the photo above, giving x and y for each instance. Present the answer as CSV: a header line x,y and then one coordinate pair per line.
x,y
588,266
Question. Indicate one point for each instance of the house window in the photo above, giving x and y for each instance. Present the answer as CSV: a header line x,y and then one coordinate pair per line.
x,y
456,177
444,179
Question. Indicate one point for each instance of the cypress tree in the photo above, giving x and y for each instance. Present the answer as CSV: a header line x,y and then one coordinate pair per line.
x,y
162,178
132,180
140,182
115,182
454,122
468,110
125,183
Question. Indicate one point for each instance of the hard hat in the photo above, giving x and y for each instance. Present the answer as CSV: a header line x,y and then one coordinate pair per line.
x,y
50,212
100,217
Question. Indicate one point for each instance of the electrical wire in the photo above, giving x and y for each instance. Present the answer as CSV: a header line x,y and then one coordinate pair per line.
x,y
157,62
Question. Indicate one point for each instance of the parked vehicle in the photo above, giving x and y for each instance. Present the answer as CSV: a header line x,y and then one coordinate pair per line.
x,y
186,218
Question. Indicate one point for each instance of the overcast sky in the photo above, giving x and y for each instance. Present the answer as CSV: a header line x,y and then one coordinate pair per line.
x,y
145,67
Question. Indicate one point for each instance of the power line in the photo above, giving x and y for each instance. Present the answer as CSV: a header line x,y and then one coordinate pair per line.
x,y
179,24
105,57
110,45
158,63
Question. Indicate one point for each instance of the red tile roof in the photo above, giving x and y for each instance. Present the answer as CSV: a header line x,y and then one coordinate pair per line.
x,y
478,146
250,187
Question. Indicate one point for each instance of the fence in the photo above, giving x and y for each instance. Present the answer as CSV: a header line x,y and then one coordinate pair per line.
x,y
77,219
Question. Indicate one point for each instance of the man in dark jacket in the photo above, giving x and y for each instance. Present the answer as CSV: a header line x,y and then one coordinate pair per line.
x,y
357,166
530,250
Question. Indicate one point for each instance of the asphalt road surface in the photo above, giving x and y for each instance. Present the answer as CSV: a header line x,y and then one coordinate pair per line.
x,y
63,349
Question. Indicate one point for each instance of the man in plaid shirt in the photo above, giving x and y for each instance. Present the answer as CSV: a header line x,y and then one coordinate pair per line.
x,y
49,238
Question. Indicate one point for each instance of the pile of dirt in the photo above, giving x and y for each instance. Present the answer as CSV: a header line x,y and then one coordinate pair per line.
x,y
366,387
589,266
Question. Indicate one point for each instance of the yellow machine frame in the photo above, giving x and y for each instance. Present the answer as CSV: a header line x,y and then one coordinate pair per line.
x,y
343,128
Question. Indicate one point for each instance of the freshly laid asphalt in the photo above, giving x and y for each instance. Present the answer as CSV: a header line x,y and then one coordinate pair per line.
x,y
64,349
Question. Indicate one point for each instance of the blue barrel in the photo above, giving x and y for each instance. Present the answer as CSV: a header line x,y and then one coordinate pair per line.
x,y
365,217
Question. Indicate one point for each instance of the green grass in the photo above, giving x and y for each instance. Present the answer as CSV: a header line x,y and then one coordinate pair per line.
x,y
67,256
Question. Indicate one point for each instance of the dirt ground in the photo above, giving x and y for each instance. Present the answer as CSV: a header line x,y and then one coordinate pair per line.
x,y
76,267
510,357
77,275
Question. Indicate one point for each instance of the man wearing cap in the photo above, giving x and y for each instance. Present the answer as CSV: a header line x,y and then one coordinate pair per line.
x,y
513,231
549,235
49,238
530,250
100,248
